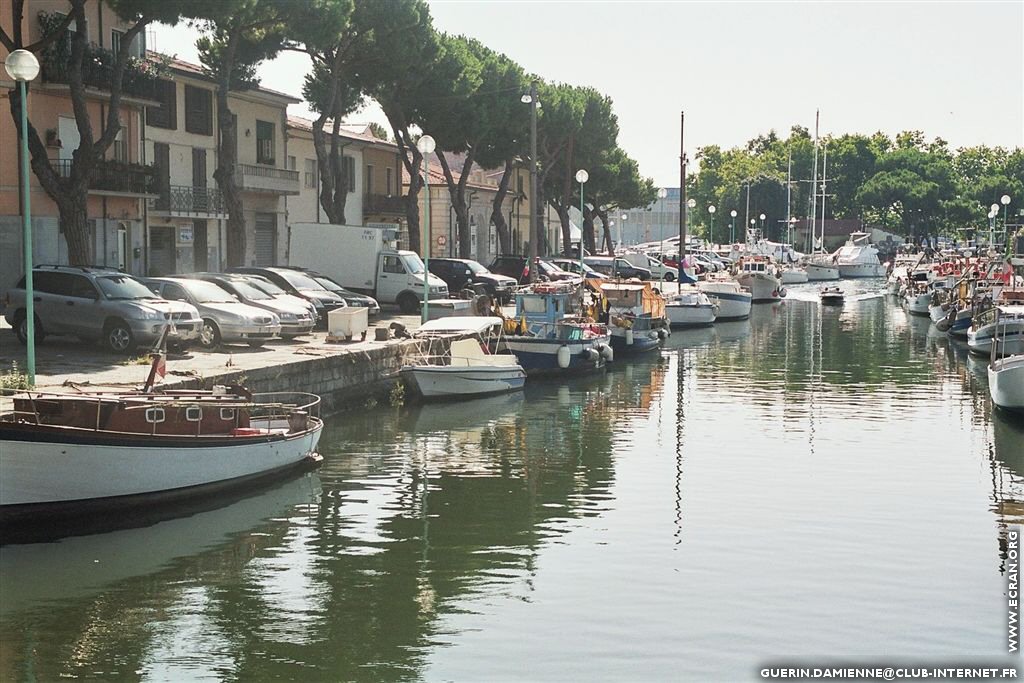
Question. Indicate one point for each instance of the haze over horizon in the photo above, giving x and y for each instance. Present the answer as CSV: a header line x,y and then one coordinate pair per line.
x,y
953,70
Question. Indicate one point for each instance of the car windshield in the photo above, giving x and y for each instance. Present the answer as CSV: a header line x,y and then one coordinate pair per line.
x,y
265,285
249,291
206,292
124,287
329,284
476,268
301,281
413,264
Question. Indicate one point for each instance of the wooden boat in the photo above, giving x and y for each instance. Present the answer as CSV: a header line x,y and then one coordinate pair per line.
x,y
66,454
635,315
468,368
832,296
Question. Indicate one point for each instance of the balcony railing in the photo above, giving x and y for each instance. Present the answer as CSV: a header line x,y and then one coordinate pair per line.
x,y
186,199
379,203
255,178
114,176
138,79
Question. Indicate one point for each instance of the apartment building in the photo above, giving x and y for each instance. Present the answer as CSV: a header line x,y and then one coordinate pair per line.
x,y
305,207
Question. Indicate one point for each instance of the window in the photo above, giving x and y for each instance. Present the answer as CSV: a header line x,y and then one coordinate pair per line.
x,y
264,142
369,179
120,147
82,288
389,180
174,293
193,413
290,163
311,170
198,110
155,415
166,114
350,172
393,264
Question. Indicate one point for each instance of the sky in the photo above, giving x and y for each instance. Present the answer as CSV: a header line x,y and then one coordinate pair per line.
x,y
953,70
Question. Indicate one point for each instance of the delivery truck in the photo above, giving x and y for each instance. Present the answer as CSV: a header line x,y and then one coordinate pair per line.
x,y
365,259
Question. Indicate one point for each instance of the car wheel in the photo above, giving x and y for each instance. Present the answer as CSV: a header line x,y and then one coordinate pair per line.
x,y
209,335
21,329
408,303
118,337
669,277
257,343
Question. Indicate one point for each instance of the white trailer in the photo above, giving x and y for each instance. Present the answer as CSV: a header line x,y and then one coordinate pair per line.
x,y
365,259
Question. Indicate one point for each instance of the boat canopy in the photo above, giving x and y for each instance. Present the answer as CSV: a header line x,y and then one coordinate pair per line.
x,y
634,295
460,323
1011,310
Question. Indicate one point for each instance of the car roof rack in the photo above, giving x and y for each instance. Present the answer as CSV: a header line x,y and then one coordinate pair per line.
x,y
87,268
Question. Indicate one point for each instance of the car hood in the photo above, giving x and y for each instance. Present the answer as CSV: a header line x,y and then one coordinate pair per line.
x,y
503,280
324,296
251,313
280,305
162,306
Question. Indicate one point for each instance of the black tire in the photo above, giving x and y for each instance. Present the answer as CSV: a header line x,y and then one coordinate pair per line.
x,y
669,277
408,303
21,329
256,343
209,335
118,337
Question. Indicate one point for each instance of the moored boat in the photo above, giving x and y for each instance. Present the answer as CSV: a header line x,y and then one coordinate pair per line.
x,y
760,276
635,315
1005,375
1008,321
733,301
832,296
857,258
690,307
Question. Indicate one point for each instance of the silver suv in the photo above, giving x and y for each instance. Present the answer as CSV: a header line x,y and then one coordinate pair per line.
x,y
96,303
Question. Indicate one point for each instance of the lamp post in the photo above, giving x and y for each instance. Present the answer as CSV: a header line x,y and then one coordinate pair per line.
x,y
531,99
581,177
23,66
1005,201
732,227
711,230
762,217
750,233
426,146
662,193
993,212
623,219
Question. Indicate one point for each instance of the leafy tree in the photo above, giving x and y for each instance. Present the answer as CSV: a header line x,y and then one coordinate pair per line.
x,y
558,121
379,131
76,58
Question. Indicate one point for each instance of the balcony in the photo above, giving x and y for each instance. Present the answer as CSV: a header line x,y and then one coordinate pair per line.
x,y
379,203
187,201
115,178
266,179
139,80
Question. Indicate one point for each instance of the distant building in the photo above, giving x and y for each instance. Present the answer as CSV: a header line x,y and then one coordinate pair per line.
x,y
657,221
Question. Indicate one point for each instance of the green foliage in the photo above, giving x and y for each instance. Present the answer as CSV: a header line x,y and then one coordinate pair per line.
x,y
13,380
379,131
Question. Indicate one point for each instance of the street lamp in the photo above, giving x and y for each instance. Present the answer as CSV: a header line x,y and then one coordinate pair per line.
x,y
711,231
623,218
23,67
1005,201
993,212
426,146
581,177
662,193
732,227
531,99
762,217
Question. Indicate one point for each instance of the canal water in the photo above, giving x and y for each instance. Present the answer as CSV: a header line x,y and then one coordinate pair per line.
x,y
811,485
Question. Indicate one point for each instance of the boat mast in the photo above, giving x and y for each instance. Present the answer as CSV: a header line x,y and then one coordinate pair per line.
x,y
789,188
814,186
824,175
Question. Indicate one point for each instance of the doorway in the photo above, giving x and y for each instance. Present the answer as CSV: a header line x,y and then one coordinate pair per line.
x,y
161,250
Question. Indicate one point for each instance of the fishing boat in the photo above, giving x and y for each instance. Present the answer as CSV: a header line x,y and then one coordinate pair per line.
x,y
552,334
467,367
733,301
1005,375
1008,319
760,276
691,307
69,454
635,315
857,258
832,296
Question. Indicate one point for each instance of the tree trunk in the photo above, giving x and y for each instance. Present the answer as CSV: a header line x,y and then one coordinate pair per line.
x,y
412,160
563,218
227,159
74,221
588,229
457,193
497,213
333,173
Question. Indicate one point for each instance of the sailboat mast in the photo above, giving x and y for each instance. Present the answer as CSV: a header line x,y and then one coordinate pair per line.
x,y
824,176
814,184
789,189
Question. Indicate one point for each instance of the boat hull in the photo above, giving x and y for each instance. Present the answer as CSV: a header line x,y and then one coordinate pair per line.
x,y
861,269
832,299
793,276
918,304
691,316
1011,338
451,382
732,304
817,272
539,355
49,469
1006,383
640,342
763,288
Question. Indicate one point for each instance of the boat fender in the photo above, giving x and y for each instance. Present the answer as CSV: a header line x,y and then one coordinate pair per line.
x,y
591,354
662,334
653,334
629,337
563,356
606,352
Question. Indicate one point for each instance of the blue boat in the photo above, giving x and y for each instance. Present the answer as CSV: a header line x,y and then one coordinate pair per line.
x,y
635,315
550,336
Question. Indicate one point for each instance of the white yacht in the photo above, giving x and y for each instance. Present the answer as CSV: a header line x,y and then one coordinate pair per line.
x,y
1006,382
690,308
857,258
733,301
820,267
760,276
794,275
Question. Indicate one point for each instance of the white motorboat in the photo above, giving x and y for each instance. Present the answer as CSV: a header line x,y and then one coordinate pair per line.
x,y
1008,321
760,276
832,296
818,269
857,258
733,301
690,308
69,454
1006,375
792,275
467,368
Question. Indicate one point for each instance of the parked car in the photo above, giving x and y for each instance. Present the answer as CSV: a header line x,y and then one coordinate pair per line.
x,y
573,266
315,308
466,274
658,269
618,267
298,284
297,317
97,303
515,267
225,318
351,298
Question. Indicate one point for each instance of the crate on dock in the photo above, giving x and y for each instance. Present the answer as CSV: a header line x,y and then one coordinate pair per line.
x,y
345,323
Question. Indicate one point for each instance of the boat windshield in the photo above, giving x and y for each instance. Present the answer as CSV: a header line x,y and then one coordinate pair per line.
x,y
124,287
